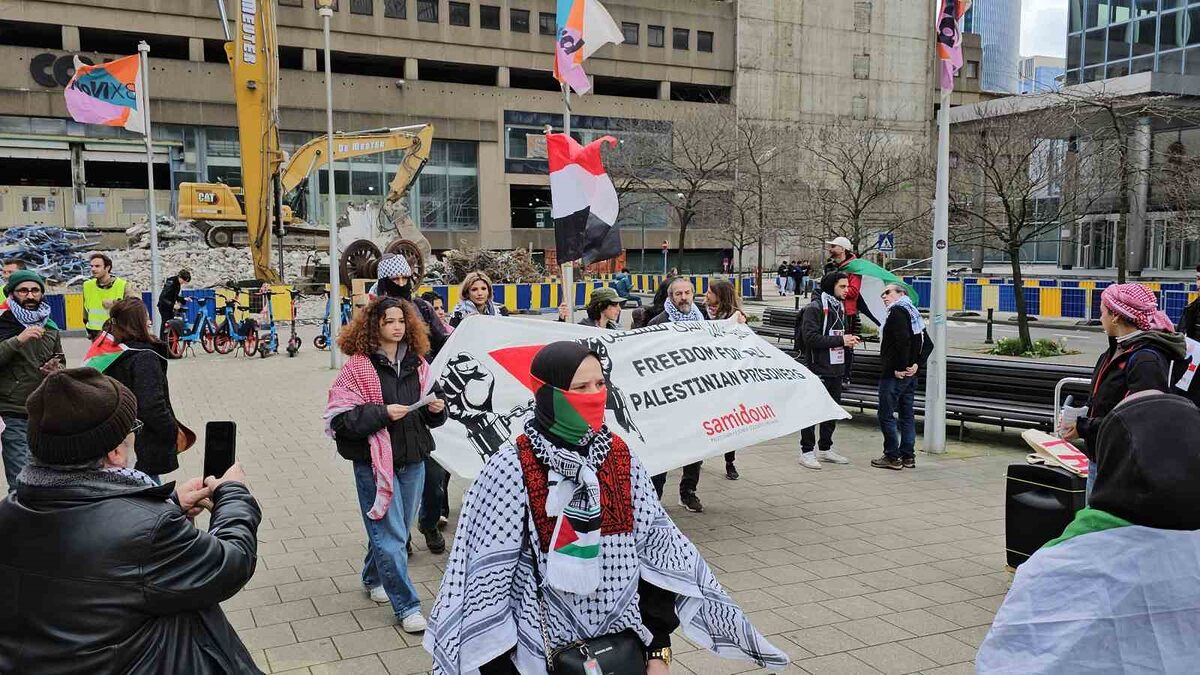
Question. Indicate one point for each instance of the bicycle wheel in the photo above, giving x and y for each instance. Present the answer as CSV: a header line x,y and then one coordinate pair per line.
x,y
208,339
174,341
250,344
223,342
293,345
320,342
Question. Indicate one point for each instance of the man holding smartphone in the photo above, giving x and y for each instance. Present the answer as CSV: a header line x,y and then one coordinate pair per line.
x,y
30,349
110,575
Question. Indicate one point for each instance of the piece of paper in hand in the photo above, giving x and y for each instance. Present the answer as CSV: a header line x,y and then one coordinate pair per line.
x,y
425,400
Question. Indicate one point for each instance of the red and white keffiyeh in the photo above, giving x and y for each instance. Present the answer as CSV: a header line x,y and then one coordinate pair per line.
x,y
358,384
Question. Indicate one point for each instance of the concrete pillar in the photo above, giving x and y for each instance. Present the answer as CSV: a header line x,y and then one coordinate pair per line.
x,y
196,49
664,90
310,62
78,186
502,76
978,195
70,39
412,69
1068,246
1139,188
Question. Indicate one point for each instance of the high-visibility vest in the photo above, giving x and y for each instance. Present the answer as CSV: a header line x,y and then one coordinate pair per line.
x,y
95,312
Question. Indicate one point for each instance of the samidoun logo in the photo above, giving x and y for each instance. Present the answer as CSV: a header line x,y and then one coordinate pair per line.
x,y
739,418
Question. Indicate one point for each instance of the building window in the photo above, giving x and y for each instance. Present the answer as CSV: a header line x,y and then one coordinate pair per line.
x,y
862,66
291,3
655,35
972,68
858,108
446,196
518,20
427,11
546,25
460,14
862,17
489,17
631,32
704,41
681,38
395,9
364,7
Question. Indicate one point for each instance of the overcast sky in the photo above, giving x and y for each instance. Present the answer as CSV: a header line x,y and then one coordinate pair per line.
x,y
1043,27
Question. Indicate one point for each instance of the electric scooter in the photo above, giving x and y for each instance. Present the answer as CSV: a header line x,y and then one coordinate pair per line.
x,y
180,338
232,332
294,342
322,341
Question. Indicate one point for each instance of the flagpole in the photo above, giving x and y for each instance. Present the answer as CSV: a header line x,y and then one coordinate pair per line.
x,y
568,271
935,376
151,211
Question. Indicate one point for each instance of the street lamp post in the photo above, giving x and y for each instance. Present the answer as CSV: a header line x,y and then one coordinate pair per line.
x,y
335,282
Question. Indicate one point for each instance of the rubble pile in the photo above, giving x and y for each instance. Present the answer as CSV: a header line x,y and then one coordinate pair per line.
x,y
56,253
169,230
209,266
503,267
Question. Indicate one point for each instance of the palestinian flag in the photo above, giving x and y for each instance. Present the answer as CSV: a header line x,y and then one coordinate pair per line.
x,y
874,279
103,352
1106,596
584,200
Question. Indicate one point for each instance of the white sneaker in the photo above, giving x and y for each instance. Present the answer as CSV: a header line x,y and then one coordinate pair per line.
x,y
831,456
413,623
808,460
378,594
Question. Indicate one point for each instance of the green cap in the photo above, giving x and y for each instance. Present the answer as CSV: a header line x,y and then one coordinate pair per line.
x,y
604,296
21,276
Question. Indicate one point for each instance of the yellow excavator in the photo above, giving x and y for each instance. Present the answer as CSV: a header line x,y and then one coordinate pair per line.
x,y
268,175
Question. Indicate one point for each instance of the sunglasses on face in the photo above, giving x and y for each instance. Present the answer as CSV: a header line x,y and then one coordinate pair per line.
x,y
886,293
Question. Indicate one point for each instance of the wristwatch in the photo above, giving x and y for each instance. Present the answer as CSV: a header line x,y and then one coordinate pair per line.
x,y
662,653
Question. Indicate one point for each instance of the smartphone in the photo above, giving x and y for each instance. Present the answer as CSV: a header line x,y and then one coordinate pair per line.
x,y
220,444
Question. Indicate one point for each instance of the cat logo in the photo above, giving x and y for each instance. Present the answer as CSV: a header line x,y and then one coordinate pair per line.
x,y
207,197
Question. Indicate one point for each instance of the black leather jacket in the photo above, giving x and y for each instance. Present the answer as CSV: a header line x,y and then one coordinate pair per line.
x,y
101,575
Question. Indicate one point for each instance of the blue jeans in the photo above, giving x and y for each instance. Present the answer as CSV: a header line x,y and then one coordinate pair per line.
x,y
16,448
1091,482
896,395
386,563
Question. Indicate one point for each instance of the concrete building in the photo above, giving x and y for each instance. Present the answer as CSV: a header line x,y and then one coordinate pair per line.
x,y
1040,74
998,23
478,70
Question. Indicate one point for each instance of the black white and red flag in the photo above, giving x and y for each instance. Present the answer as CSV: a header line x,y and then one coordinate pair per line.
x,y
585,202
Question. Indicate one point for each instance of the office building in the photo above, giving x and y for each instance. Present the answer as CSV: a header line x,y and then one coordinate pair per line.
x,y
998,24
1040,74
1112,38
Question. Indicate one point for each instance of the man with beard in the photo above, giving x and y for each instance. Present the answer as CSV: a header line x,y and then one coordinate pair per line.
x,y
395,281
30,349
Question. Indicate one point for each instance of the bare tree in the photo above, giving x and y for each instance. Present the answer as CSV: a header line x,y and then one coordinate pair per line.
x,y
1175,191
865,179
689,169
1032,184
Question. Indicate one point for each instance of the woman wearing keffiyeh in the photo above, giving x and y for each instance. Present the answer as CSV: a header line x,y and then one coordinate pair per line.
x,y
569,497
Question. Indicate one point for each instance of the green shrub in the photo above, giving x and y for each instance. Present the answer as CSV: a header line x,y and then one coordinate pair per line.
x,y
1041,349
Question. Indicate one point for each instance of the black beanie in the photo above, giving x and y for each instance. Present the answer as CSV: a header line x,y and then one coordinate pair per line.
x,y
78,415
1148,463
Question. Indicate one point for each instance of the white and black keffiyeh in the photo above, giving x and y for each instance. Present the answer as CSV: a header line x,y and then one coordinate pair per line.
x,y
394,266
466,308
487,603
675,315
29,317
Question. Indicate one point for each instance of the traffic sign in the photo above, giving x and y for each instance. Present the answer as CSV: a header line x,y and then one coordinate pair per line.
x,y
886,243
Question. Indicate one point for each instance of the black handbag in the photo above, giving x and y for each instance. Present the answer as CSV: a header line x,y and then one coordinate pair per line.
x,y
616,654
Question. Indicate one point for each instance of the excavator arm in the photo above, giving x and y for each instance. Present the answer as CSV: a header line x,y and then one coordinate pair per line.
x,y
415,142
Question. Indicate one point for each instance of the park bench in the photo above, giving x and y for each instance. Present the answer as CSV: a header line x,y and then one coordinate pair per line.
x,y
778,323
997,392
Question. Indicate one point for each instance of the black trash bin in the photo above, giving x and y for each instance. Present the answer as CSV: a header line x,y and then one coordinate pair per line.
x,y
1040,501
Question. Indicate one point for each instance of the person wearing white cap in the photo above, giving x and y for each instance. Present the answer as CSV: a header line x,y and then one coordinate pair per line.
x,y
840,254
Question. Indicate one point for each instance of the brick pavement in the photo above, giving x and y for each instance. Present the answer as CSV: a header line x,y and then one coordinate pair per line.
x,y
849,569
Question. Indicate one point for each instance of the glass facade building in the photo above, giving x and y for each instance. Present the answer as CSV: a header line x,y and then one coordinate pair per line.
x,y
1114,38
998,24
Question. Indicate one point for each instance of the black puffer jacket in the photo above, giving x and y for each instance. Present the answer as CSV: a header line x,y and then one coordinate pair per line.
x,y
813,341
1150,361
411,440
143,368
110,577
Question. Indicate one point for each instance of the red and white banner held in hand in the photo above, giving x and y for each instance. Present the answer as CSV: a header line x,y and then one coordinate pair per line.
x,y
678,392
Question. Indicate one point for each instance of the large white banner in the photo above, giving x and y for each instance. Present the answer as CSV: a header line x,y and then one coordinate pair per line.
x,y
678,392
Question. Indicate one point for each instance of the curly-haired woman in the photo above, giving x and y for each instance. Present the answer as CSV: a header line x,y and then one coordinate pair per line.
x,y
374,418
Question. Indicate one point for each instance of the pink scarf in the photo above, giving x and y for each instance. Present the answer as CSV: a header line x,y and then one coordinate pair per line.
x,y
358,384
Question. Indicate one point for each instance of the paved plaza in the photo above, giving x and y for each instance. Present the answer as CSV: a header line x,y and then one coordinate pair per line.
x,y
849,569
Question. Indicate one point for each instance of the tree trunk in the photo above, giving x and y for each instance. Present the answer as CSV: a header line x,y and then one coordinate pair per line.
x,y
1014,258
684,220
1122,234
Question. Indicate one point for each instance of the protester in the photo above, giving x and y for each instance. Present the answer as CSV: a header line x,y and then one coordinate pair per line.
x,y
477,298
30,349
643,315
1116,592
396,281
10,265
623,284
169,296
721,302
1143,351
678,306
101,292
781,278
564,313
139,361
569,473
822,341
603,309
109,575
899,355
372,415
439,309
840,256
799,272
